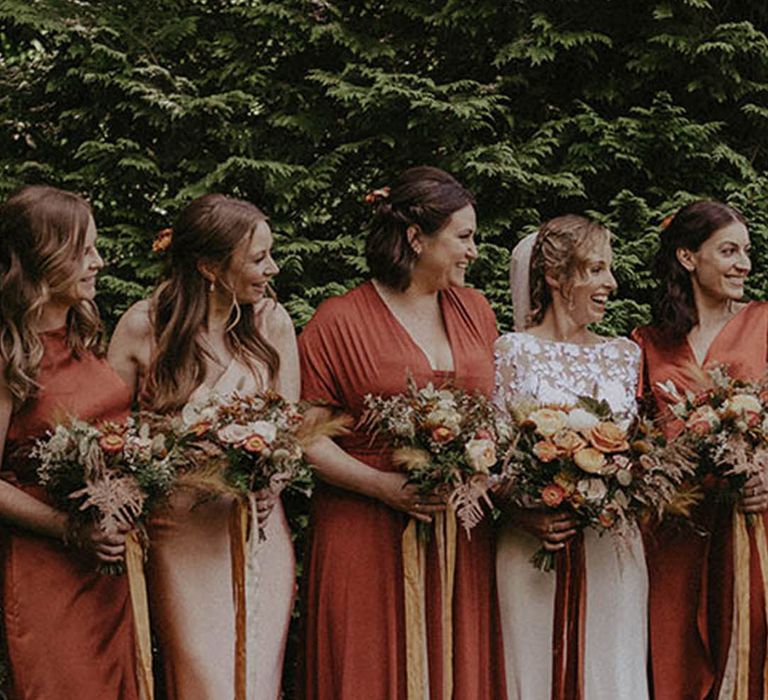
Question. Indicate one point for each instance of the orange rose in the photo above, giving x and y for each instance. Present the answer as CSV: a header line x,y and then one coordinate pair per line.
x,y
608,437
442,434
254,444
590,460
569,442
545,451
552,495
112,442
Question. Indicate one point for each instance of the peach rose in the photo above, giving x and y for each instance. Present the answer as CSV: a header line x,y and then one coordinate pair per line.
x,y
552,495
608,437
590,460
548,421
703,420
112,442
442,434
568,442
545,451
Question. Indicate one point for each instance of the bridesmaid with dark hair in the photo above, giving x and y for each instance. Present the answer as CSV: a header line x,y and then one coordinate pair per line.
x,y
415,316
699,321
69,629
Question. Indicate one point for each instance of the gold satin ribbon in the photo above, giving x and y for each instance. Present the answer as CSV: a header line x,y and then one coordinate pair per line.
x,y
762,551
741,602
238,536
414,553
137,587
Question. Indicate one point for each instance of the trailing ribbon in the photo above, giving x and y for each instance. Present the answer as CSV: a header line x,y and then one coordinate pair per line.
x,y
414,550
238,536
762,552
568,627
137,587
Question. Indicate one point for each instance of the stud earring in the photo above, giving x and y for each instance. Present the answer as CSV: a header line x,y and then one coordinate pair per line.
x,y
212,287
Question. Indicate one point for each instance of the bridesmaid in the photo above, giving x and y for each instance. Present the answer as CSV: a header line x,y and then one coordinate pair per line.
x,y
210,327
561,645
69,629
699,321
415,316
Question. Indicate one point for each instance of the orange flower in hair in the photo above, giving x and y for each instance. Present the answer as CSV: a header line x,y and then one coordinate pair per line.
x,y
666,221
162,240
375,195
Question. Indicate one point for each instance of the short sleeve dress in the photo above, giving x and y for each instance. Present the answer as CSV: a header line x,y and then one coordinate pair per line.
x,y
354,628
69,629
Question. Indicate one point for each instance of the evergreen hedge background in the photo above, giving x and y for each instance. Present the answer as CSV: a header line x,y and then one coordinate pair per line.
x,y
624,109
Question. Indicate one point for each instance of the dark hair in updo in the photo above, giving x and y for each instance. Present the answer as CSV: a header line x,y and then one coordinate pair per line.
x,y
674,308
422,196
561,251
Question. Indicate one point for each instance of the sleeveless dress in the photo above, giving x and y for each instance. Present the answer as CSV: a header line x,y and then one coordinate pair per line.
x,y
69,629
353,610
190,587
691,577
615,625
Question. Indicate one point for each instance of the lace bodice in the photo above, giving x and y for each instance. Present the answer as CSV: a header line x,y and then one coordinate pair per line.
x,y
549,371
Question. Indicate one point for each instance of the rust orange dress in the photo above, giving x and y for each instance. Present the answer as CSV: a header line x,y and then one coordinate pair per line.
x,y
354,643
69,630
691,577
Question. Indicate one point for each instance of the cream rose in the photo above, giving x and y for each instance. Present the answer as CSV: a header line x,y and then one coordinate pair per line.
x,y
233,433
263,428
590,460
481,454
581,420
592,489
548,421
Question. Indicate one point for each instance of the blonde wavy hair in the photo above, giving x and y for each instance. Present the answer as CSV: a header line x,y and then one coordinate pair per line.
x,y
561,252
209,229
42,242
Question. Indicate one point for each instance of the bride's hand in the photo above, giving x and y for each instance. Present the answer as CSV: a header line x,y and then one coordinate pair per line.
x,y
553,529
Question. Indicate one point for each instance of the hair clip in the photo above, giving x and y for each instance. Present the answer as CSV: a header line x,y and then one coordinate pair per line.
x,y
162,240
375,195
666,221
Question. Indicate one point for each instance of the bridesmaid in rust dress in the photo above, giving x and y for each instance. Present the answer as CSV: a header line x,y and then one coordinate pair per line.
x,y
69,629
415,316
700,321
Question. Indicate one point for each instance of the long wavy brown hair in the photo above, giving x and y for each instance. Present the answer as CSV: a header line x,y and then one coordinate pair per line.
x,y
674,309
42,242
561,252
208,230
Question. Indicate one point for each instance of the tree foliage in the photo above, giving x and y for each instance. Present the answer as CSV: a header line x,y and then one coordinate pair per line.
x,y
624,110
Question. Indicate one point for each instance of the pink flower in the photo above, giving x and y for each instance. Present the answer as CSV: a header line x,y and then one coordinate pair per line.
x,y
552,495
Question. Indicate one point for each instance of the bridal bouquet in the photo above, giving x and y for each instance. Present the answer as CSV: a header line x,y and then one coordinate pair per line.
x,y
727,427
111,474
582,460
446,439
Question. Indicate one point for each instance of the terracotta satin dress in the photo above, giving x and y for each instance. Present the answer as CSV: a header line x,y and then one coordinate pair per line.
x,y
190,587
69,629
353,643
691,577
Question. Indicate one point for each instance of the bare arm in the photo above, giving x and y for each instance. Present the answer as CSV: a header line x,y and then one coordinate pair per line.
x,y
130,345
277,328
338,468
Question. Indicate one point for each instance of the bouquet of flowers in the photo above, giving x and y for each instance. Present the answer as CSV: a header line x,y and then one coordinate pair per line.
x,y
581,459
446,439
727,427
111,474
248,443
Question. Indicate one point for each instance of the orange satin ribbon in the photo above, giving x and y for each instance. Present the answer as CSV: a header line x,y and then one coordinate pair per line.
x,y
238,536
137,586
568,626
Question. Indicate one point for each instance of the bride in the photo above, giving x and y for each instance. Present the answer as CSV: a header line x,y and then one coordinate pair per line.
x,y
557,359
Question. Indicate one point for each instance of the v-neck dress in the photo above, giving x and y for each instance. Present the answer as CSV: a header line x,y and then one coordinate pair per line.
x,y
353,642
690,576
190,586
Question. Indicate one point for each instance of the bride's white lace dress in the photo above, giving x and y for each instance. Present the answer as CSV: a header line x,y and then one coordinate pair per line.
x,y
615,636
